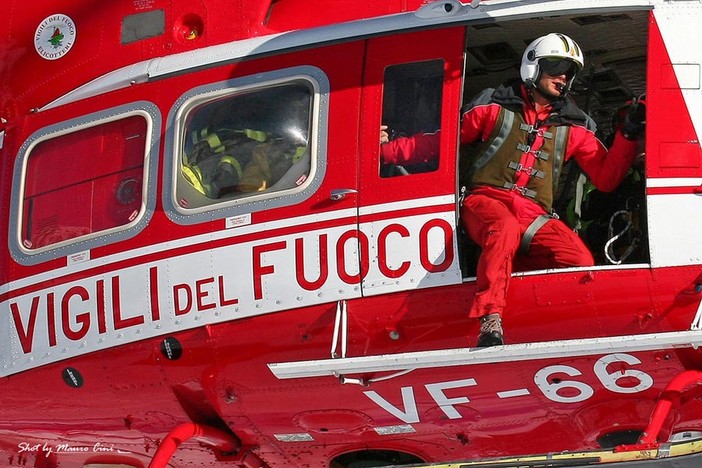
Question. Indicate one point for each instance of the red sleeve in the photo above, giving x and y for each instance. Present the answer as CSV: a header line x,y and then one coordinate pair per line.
x,y
606,169
416,149
478,122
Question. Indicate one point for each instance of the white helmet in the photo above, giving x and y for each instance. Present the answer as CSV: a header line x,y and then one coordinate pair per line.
x,y
551,46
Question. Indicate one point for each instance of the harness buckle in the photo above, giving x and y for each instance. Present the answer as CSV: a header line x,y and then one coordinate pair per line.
x,y
530,171
521,189
527,127
539,131
524,148
542,155
516,166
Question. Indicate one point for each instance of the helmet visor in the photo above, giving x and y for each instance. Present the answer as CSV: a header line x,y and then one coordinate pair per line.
x,y
558,66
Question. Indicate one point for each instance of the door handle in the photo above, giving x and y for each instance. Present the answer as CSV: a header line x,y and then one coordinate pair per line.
x,y
338,194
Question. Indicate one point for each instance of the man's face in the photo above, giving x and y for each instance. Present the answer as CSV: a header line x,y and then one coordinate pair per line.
x,y
555,75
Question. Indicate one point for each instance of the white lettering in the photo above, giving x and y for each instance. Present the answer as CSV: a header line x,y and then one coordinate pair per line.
x,y
436,391
98,447
611,380
409,415
549,380
26,447
68,448
556,389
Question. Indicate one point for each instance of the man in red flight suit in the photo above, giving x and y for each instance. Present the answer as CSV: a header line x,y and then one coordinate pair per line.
x,y
514,141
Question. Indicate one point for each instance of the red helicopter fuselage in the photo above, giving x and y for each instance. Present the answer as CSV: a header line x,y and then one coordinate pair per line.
x,y
205,260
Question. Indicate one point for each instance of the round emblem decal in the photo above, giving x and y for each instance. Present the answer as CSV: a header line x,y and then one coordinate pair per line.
x,y
55,36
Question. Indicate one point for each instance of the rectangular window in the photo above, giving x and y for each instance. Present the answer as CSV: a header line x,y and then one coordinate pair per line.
x,y
83,182
251,142
412,94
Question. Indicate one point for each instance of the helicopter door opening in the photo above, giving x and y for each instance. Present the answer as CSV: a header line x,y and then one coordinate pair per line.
x,y
612,225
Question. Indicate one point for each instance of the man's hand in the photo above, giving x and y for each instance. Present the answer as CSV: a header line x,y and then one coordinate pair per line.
x,y
635,120
384,136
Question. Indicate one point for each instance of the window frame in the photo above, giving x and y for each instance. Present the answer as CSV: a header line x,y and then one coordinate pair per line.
x,y
252,201
26,256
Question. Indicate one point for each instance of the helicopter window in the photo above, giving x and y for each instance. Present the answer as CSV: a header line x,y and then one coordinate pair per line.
x,y
244,144
93,174
412,94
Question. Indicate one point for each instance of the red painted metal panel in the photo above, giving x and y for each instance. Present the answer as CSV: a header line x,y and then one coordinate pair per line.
x,y
672,144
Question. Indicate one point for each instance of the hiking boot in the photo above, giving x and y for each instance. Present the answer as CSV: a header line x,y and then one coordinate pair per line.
x,y
490,331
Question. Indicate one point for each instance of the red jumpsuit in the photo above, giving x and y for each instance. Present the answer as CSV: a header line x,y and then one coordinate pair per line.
x,y
496,218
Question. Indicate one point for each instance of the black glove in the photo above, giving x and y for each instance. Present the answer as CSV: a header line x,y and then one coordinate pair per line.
x,y
635,120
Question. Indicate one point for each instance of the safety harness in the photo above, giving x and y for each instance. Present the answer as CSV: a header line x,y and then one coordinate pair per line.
x,y
512,131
